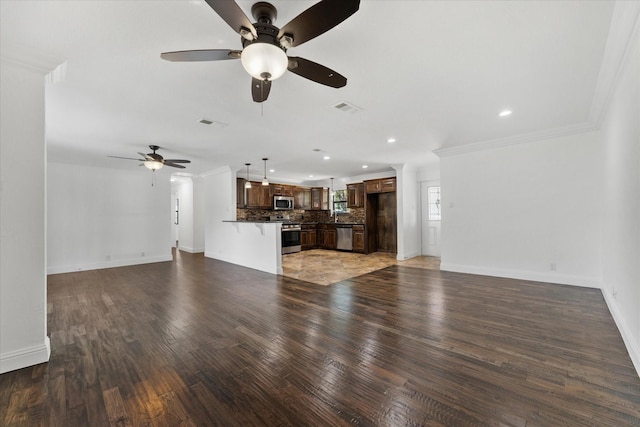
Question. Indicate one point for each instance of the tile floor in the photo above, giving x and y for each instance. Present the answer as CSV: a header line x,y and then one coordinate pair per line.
x,y
325,267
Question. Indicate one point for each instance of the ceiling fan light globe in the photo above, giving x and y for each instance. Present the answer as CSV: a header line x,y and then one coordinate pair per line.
x,y
264,61
154,165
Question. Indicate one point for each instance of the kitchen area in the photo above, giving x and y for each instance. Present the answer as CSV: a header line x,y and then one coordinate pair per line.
x,y
359,219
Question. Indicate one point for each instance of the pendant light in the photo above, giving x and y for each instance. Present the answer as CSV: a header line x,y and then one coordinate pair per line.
x,y
247,183
332,192
265,181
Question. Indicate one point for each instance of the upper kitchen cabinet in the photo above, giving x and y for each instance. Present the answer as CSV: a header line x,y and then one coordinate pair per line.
x,y
355,195
302,198
281,190
259,196
383,185
241,193
320,198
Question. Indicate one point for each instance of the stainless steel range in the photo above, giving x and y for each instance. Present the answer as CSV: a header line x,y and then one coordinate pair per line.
x,y
291,238
290,234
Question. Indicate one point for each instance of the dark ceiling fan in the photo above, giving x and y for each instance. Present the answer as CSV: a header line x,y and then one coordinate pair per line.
x,y
155,161
264,45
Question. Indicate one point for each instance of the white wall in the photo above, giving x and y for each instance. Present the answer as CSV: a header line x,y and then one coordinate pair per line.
x,y
516,210
199,213
23,296
252,245
100,218
621,238
408,223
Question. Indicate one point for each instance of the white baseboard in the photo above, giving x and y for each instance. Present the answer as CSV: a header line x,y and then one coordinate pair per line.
x,y
25,357
402,257
249,263
108,264
563,279
633,347
190,249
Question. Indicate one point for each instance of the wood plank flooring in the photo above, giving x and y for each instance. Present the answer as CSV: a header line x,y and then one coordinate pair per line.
x,y
199,342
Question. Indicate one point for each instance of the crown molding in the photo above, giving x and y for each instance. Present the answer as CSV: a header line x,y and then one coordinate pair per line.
x,y
625,22
217,171
517,139
29,58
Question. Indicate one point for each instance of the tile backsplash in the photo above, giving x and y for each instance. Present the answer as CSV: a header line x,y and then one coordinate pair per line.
x,y
299,215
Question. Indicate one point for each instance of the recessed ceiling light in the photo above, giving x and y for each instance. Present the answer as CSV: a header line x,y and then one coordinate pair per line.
x,y
327,157
272,170
310,176
504,113
364,166
391,140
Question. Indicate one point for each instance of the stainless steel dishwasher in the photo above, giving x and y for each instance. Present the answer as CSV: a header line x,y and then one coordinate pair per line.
x,y
344,239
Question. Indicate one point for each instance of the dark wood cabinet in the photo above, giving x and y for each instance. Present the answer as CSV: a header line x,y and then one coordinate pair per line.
x,y
327,236
319,198
383,185
381,222
322,231
313,240
308,236
259,196
241,194
281,190
355,195
358,239
330,241
302,198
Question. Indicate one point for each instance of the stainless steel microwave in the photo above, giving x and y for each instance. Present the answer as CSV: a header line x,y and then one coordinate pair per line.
x,y
282,203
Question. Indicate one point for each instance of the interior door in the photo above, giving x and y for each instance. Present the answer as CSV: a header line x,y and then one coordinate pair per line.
x,y
431,218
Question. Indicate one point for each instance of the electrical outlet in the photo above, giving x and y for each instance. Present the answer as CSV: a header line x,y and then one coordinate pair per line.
x,y
552,266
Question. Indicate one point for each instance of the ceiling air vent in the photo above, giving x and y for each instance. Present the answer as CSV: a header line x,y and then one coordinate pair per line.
x,y
347,108
212,123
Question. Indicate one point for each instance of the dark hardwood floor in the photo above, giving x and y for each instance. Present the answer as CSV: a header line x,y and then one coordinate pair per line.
x,y
198,342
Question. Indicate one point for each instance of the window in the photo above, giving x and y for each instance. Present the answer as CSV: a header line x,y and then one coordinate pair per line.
x,y
340,201
433,201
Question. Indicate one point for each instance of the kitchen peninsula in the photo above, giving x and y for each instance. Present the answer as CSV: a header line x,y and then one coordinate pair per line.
x,y
253,244
262,229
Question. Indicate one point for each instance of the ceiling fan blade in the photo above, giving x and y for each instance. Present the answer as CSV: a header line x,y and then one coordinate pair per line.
x,y
260,89
231,13
318,19
316,72
177,161
126,158
200,55
146,156
173,165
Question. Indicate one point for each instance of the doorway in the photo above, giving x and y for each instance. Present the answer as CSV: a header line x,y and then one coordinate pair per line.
x,y
175,220
431,217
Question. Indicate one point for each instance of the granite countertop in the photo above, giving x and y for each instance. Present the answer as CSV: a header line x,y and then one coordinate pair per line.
x,y
259,221
338,223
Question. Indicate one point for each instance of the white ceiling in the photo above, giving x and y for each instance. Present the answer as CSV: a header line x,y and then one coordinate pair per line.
x,y
430,74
